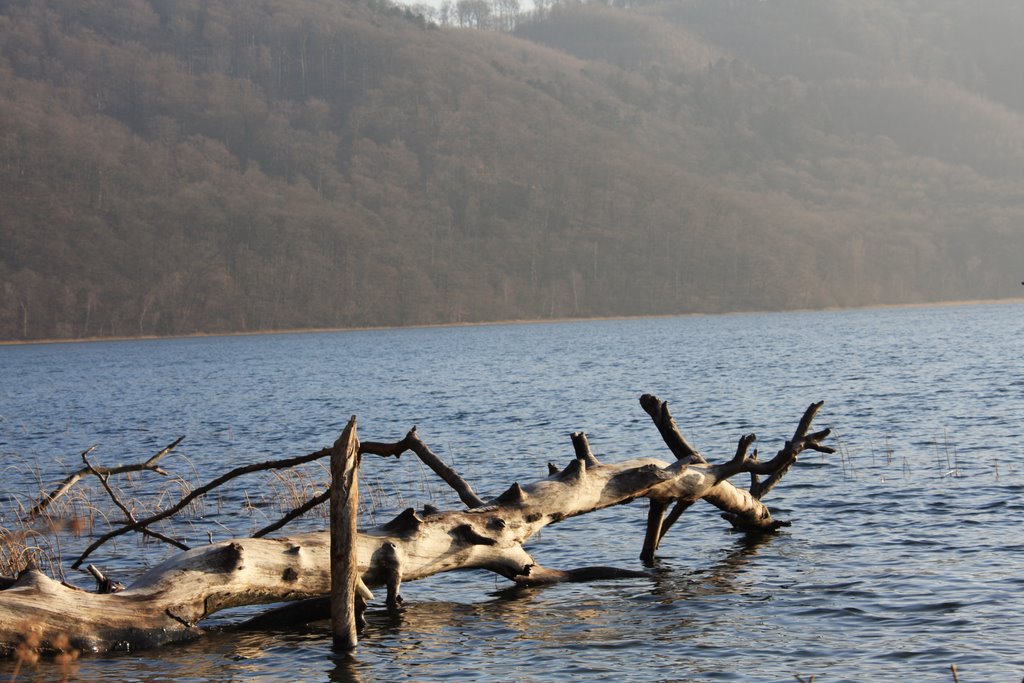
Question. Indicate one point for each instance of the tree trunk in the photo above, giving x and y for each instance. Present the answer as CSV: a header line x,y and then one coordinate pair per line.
x,y
168,602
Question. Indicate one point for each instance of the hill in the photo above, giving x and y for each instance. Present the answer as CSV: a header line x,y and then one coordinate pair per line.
x,y
170,167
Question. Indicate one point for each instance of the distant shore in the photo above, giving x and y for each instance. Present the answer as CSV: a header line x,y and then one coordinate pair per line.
x,y
537,321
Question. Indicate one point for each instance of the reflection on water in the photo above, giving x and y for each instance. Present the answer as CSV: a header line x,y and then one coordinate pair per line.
x,y
345,670
720,579
903,557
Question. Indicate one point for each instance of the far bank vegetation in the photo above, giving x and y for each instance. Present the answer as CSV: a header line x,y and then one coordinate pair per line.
x,y
229,165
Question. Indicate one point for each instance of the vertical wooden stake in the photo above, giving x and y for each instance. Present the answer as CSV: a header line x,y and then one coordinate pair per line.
x,y
344,504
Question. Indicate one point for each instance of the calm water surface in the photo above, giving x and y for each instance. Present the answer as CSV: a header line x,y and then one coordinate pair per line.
x,y
905,554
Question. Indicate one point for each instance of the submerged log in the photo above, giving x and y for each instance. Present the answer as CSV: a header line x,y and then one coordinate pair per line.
x,y
168,602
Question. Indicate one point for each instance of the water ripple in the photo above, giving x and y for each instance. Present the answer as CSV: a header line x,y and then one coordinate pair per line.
x,y
904,555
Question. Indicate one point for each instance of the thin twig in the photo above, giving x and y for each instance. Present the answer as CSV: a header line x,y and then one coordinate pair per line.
x,y
196,493
319,499
103,584
124,508
74,477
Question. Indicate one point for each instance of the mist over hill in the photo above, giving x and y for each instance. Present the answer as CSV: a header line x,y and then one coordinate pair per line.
x,y
180,166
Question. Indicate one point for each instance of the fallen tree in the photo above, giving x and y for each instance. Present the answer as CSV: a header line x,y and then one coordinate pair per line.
x,y
168,602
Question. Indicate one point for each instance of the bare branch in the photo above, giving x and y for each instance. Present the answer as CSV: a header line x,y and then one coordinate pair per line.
x,y
742,509
657,524
103,584
412,442
778,466
74,477
201,491
127,513
676,442
319,499
739,462
654,533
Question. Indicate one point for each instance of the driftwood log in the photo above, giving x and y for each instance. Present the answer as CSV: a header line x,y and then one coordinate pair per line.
x,y
168,602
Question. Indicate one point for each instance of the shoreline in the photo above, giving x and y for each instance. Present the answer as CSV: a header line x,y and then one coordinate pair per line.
x,y
537,321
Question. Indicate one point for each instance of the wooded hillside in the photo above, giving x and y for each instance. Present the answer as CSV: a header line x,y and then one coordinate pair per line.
x,y
179,166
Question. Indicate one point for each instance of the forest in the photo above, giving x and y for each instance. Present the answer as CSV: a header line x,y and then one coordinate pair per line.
x,y
175,167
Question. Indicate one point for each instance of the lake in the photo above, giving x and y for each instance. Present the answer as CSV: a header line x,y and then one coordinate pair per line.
x,y
904,557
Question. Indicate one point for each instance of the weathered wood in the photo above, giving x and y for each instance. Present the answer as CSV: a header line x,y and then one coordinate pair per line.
x,y
653,535
581,444
410,442
666,424
741,508
168,602
681,448
344,509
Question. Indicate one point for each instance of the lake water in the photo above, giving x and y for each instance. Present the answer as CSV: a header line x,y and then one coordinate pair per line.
x,y
906,553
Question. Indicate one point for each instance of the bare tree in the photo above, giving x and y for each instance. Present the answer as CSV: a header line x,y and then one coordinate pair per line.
x,y
168,602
